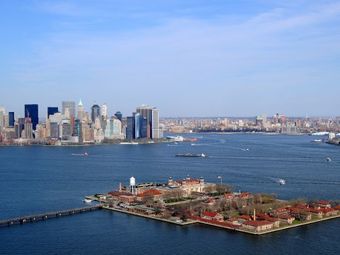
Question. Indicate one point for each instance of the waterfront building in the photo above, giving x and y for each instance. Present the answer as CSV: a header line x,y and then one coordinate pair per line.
x,y
51,111
11,119
137,125
143,127
19,127
151,114
95,112
2,117
66,130
156,132
146,112
32,112
54,130
41,132
28,128
130,128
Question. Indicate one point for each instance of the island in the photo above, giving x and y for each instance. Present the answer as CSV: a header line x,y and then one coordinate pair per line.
x,y
193,201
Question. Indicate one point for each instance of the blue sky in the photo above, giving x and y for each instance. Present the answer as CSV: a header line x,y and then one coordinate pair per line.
x,y
187,57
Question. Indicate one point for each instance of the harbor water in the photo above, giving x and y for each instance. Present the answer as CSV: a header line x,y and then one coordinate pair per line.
x,y
39,179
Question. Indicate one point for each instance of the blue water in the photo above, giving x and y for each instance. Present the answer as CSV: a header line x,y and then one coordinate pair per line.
x,y
38,179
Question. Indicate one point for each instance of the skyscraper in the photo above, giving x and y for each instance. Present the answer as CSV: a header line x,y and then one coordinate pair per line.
x,y
103,111
32,112
119,115
151,125
137,125
51,111
11,119
130,129
70,107
2,117
80,111
95,112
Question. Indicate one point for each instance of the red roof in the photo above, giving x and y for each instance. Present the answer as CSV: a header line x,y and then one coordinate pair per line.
x,y
150,192
323,202
210,214
337,207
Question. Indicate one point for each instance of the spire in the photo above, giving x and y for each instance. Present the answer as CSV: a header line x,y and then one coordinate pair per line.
x,y
80,103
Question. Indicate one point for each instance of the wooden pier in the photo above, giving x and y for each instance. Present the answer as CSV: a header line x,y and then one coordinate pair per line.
x,y
46,216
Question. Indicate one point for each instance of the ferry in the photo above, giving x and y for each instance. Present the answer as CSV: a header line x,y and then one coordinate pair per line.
x,y
129,143
191,155
282,181
87,201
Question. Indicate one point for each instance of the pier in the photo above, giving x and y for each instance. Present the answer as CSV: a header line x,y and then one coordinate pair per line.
x,y
47,216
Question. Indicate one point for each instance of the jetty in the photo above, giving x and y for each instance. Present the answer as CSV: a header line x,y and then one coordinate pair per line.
x,y
48,215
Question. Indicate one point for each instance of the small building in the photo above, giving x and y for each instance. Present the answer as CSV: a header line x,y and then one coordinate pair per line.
x,y
323,204
286,219
154,194
329,212
212,216
258,226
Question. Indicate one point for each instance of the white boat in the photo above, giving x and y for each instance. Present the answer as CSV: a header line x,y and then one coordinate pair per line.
x,y
317,141
87,201
328,159
282,181
129,143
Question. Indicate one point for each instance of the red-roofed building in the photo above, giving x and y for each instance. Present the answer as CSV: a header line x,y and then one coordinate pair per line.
x,y
212,216
149,193
263,216
286,218
258,226
323,204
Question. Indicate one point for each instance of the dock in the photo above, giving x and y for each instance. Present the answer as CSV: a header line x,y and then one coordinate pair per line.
x,y
48,215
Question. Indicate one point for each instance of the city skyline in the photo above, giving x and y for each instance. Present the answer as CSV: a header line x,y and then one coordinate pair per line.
x,y
212,58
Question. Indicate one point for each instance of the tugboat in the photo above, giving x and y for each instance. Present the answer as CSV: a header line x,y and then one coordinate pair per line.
x,y
191,155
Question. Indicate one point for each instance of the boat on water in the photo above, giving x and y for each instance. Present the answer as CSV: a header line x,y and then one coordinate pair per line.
x,y
281,181
129,143
87,201
328,159
191,155
317,141
85,154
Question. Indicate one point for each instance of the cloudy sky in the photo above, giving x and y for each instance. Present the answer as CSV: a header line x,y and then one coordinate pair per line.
x,y
187,57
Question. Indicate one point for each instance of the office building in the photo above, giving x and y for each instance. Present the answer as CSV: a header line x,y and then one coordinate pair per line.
x,y
130,128
119,115
95,112
137,125
32,112
69,109
51,111
11,119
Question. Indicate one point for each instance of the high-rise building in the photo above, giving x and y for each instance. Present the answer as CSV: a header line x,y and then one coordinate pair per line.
x,y
95,112
54,130
151,125
11,119
2,117
80,111
155,132
19,127
51,111
130,128
28,128
70,108
137,125
119,115
32,112
104,111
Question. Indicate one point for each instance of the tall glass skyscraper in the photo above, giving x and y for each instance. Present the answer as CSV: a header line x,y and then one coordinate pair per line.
x,y
11,119
51,111
32,112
